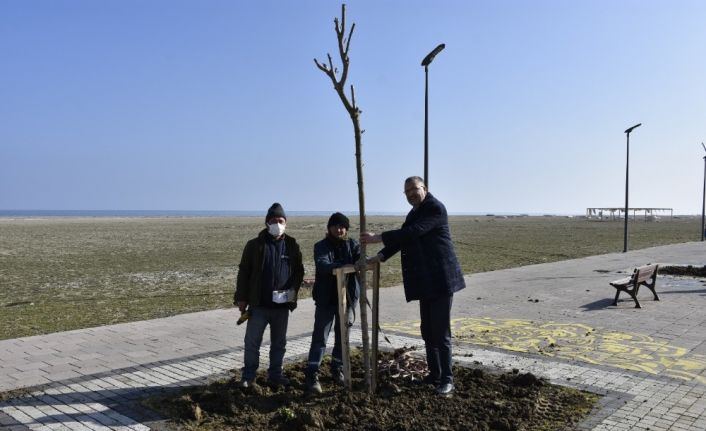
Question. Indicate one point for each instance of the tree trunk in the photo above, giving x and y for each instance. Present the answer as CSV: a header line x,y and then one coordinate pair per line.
x,y
363,247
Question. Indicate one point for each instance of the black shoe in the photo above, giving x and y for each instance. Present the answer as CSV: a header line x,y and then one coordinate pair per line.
x,y
428,380
278,381
338,377
312,384
445,390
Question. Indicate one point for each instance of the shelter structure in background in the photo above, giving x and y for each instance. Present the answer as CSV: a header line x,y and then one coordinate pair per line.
x,y
611,214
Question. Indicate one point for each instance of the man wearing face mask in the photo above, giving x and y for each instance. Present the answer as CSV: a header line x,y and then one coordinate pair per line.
x,y
332,252
430,274
269,277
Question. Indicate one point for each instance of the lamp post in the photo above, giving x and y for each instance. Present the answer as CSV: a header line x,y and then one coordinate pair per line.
x,y
627,170
703,201
426,62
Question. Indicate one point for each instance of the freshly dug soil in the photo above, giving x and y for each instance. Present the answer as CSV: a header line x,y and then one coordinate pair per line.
x,y
691,271
483,400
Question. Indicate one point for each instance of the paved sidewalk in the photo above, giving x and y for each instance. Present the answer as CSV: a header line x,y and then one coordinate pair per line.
x,y
554,320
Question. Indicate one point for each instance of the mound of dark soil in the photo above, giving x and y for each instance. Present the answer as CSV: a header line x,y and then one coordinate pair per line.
x,y
483,400
690,271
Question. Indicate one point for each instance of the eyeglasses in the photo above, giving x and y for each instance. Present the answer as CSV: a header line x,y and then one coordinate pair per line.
x,y
412,190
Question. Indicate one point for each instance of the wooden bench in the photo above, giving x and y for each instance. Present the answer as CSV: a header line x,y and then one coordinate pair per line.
x,y
642,276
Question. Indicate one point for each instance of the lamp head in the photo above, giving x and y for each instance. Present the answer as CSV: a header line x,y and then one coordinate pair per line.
x,y
633,127
430,57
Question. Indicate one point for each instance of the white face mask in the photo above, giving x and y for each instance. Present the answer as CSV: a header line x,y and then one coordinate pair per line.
x,y
275,229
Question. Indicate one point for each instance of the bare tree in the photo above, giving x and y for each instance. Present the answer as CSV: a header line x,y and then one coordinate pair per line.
x,y
339,83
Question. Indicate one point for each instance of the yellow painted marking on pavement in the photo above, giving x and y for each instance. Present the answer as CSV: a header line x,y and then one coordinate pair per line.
x,y
574,341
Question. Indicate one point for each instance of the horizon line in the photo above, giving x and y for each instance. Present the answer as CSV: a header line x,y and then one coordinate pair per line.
x,y
257,213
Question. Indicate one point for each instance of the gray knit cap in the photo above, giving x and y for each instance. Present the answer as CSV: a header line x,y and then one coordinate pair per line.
x,y
275,210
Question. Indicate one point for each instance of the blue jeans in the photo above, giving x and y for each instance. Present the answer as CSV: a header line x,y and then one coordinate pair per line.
x,y
436,331
324,317
260,317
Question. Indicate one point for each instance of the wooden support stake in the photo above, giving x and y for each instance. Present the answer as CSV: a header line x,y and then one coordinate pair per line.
x,y
376,326
341,288
364,329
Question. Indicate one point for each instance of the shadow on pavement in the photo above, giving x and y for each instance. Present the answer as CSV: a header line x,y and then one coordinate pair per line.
x,y
118,407
598,305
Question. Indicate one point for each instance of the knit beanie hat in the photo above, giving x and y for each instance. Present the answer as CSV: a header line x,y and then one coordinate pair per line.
x,y
338,219
275,210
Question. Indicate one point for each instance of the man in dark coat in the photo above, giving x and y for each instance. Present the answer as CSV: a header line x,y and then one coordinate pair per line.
x,y
334,251
430,273
269,277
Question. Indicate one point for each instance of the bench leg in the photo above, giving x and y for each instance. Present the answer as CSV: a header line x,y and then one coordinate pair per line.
x,y
634,297
654,292
617,293
631,292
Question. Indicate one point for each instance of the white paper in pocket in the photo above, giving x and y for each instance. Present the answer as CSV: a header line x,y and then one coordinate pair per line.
x,y
283,296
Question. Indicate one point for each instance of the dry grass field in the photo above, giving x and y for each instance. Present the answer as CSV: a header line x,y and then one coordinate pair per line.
x,y
59,274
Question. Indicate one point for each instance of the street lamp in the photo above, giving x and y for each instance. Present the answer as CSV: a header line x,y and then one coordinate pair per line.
x,y
627,169
426,62
703,202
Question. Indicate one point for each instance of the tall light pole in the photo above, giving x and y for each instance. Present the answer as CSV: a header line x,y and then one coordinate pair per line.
x,y
703,202
426,62
627,177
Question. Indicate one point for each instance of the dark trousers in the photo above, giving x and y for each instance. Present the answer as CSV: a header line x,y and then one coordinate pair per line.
x,y
325,317
260,317
435,314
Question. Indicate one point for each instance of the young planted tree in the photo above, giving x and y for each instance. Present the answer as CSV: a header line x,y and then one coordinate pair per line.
x,y
339,83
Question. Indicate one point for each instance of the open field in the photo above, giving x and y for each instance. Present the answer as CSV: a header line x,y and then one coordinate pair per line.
x,y
59,274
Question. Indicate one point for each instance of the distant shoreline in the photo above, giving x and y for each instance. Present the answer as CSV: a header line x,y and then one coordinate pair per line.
x,y
188,214
106,214
163,214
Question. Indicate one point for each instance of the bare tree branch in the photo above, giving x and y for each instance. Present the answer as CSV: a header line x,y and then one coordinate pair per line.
x,y
330,65
343,18
350,36
323,68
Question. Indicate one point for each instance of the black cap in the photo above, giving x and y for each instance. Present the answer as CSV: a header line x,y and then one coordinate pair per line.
x,y
275,210
338,219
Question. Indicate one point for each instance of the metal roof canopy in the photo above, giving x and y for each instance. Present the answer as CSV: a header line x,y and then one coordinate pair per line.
x,y
598,212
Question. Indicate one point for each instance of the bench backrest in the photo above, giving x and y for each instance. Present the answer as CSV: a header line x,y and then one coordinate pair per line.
x,y
645,273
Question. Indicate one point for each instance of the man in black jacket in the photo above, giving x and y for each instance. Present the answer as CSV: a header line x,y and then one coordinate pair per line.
x,y
332,252
269,277
430,273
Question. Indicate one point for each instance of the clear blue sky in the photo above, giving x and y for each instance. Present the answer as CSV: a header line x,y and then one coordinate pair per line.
x,y
217,105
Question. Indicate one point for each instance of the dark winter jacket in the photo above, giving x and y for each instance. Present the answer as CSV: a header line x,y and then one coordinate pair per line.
x,y
249,281
330,254
429,265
